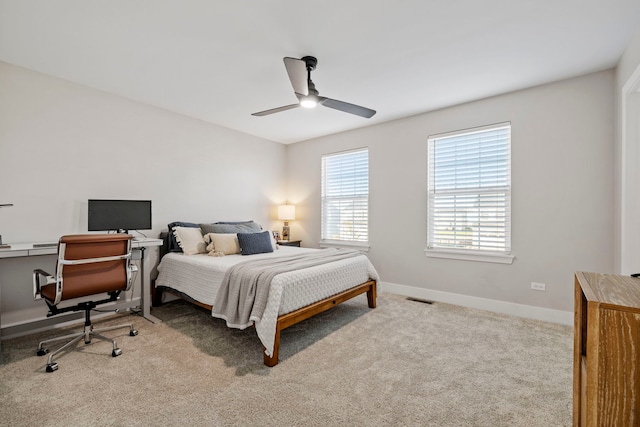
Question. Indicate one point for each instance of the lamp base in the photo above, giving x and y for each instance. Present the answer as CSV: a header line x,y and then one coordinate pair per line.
x,y
285,231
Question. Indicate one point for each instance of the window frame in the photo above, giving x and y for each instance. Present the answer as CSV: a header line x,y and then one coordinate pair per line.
x,y
470,254
362,245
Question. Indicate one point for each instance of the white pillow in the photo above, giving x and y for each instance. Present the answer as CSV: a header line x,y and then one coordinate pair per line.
x,y
226,243
190,240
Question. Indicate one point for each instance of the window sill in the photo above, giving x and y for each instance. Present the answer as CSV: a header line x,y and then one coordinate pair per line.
x,y
466,256
359,246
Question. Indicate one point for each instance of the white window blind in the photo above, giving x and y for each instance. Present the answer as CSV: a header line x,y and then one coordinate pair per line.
x,y
469,184
345,196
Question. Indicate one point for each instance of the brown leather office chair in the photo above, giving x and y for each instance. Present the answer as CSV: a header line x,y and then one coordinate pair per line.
x,y
88,265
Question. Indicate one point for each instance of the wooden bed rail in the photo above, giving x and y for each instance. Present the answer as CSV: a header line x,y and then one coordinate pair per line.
x,y
311,310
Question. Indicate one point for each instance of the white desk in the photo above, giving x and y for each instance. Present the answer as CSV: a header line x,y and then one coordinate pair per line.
x,y
28,250
142,245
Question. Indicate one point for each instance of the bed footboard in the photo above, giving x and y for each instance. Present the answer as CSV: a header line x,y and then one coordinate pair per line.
x,y
311,310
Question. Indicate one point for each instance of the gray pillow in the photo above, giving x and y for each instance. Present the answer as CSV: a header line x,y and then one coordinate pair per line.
x,y
244,227
255,243
234,222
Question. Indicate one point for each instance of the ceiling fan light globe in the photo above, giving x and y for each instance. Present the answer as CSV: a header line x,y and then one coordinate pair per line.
x,y
309,102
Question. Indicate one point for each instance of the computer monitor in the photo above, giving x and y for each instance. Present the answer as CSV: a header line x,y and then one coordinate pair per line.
x,y
119,215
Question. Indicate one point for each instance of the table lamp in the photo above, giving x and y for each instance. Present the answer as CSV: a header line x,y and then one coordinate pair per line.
x,y
286,213
4,205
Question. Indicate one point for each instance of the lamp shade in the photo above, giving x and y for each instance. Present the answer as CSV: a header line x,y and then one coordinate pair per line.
x,y
286,212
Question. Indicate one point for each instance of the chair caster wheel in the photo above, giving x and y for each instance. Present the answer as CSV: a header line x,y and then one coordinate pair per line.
x,y
52,367
133,332
42,351
116,352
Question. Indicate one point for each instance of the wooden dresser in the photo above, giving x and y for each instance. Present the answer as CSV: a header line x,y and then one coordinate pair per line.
x,y
606,355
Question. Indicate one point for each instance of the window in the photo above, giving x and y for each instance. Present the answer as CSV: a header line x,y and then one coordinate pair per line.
x,y
469,185
345,197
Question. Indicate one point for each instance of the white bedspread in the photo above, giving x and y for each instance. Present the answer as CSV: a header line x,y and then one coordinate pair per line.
x,y
199,276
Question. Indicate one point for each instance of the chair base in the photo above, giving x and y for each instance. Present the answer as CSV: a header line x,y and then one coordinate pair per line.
x,y
87,334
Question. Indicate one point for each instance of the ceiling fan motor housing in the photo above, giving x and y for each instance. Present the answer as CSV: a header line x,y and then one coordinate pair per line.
x,y
311,62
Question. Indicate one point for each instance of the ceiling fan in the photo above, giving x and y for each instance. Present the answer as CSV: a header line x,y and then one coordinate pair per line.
x,y
299,71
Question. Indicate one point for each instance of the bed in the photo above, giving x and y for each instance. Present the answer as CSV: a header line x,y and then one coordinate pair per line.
x,y
293,296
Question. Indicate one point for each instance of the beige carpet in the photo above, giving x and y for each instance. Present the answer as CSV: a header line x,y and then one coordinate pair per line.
x,y
404,363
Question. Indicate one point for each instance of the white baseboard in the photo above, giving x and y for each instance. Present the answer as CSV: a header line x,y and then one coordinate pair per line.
x,y
503,307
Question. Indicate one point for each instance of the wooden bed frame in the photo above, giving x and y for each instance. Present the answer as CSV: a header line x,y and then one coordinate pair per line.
x,y
288,319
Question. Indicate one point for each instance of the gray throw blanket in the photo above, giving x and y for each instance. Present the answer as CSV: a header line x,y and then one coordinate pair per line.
x,y
243,294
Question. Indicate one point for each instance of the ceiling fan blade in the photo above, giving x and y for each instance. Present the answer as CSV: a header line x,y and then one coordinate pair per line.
x,y
297,70
275,110
367,113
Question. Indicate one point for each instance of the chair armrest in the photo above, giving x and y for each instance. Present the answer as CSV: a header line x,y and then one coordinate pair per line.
x,y
38,274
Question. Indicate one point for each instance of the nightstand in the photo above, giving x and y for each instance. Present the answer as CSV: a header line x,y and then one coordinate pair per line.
x,y
289,243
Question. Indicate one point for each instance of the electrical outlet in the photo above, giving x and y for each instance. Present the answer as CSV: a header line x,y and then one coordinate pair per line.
x,y
538,286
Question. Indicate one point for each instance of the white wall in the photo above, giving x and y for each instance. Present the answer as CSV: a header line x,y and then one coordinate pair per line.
x,y
627,158
115,148
629,60
562,177
61,144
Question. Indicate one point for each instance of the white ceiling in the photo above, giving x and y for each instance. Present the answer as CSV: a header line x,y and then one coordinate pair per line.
x,y
220,61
